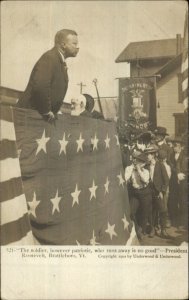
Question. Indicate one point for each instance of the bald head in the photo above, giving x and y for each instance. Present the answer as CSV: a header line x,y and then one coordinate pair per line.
x,y
78,105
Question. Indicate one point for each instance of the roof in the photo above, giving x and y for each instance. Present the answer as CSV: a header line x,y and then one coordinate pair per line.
x,y
166,48
170,66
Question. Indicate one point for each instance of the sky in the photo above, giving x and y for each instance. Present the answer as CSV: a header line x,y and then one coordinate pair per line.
x,y
104,29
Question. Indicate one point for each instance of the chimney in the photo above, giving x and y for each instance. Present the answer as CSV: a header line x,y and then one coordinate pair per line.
x,y
178,44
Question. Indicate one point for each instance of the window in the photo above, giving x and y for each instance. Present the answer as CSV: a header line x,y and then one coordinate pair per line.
x,y
180,123
179,87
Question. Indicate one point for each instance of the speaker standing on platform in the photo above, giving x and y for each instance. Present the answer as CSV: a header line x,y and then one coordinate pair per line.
x,y
48,81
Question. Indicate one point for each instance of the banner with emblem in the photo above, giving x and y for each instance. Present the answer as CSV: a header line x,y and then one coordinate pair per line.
x,y
137,102
73,180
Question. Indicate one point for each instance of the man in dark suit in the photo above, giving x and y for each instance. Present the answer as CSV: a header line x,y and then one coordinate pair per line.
x,y
159,185
48,81
178,184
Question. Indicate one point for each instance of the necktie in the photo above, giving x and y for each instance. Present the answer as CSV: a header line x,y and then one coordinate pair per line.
x,y
65,69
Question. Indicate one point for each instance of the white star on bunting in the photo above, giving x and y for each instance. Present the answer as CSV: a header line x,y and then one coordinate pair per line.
x,y
107,142
75,196
93,190
121,180
42,143
117,140
125,222
106,185
33,205
93,240
110,230
55,201
94,142
80,143
63,144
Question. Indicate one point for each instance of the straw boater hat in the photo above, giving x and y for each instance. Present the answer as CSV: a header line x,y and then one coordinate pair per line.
x,y
151,149
139,156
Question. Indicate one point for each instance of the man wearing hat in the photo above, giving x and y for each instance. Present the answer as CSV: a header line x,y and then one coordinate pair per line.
x,y
178,183
160,135
140,192
159,184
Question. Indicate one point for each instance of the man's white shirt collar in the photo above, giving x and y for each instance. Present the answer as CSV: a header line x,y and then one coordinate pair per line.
x,y
62,56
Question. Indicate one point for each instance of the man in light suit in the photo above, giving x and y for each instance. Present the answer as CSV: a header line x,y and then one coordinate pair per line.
x,y
48,81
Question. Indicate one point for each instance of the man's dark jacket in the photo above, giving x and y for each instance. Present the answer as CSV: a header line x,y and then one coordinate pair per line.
x,y
180,165
168,151
160,178
47,85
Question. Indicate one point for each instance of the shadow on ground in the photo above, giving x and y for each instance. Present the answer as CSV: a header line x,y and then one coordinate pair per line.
x,y
177,237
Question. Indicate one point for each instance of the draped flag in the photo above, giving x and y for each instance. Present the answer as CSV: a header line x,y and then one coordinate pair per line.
x,y
137,102
73,180
15,224
184,68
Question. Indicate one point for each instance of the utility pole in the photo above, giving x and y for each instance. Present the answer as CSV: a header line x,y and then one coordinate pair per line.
x,y
81,86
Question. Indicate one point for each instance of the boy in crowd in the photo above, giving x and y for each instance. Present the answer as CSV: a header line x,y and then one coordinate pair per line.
x,y
140,192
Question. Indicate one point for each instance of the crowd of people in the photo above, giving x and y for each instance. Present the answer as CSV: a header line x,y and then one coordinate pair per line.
x,y
156,175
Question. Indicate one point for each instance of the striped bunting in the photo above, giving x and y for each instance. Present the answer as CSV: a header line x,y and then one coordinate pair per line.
x,y
15,225
184,68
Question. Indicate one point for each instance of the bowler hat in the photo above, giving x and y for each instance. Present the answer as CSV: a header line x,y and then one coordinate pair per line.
x,y
177,139
89,102
169,138
160,131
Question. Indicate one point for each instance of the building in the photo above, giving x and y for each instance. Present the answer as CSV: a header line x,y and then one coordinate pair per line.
x,y
9,96
162,59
